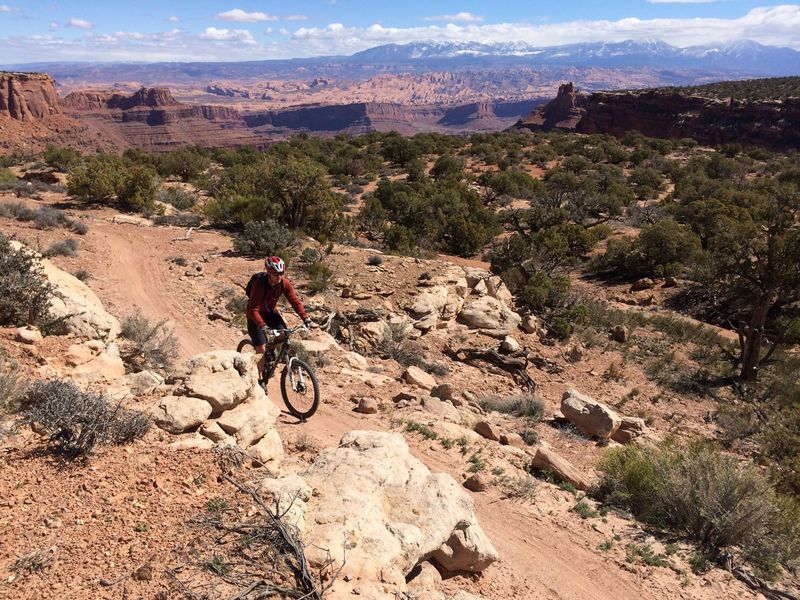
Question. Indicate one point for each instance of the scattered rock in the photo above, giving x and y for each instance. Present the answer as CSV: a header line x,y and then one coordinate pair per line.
x,y
630,429
28,335
269,450
367,406
416,376
588,415
530,324
143,382
441,408
404,396
512,439
444,391
547,460
490,314
487,430
177,414
476,483
669,282
250,421
510,345
224,378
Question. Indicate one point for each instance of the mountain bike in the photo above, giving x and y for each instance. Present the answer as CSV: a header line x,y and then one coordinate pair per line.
x,y
299,386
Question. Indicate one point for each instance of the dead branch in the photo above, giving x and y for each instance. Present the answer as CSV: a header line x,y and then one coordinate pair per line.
x,y
514,364
759,585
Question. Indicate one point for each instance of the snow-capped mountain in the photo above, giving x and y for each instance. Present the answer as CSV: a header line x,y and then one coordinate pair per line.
x,y
742,56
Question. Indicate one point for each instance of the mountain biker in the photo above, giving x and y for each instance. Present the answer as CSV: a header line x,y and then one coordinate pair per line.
x,y
262,301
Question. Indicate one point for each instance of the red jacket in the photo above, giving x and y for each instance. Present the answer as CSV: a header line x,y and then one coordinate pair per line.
x,y
264,298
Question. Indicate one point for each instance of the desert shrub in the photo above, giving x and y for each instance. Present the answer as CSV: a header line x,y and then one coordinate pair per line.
x,y
25,292
320,276
79,227
395,345
151,345
68,247
83,275
61,159
375,260
137,190
7,176
177,197
11,388
75,420
264,238
97,179
187,163
705,495
530,437
521,405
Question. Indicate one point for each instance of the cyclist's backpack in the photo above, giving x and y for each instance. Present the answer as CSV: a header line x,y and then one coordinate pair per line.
x,y
260,276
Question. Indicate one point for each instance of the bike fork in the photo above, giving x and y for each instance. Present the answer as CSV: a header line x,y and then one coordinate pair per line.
x,y
291,375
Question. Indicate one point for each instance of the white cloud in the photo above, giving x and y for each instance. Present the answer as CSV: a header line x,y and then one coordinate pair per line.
x,y
778,26
5,8
79,23
464,17
173,19
227,35
295,18
239,16
53,25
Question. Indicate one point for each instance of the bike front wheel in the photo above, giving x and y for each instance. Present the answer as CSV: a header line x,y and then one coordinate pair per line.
x,y
299,389
246,346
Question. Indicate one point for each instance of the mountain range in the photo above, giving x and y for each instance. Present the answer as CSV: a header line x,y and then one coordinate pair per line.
x,y
738,59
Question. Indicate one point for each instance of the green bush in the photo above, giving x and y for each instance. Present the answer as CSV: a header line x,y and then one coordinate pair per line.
x,y
12,389
320,276
701,493
264,238
97,179
7,176
177,197
137,190
62,159
522,405
68,247
75,421
25,293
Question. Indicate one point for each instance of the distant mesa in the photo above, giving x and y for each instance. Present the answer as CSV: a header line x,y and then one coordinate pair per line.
x,y
562,113
672,113
145,97
27,96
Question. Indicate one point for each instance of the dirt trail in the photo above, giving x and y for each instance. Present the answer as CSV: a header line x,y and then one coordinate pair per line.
x,y
539,558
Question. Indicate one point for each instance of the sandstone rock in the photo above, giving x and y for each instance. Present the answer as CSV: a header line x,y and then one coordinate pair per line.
x,y
177,414
588,415
424,577
497,289
224,378
269,450
512,439
547,460
630,429
393,515
416,376
106,366
509,345
444,391
320,344
480,288
367,406
441,408
78,306
490,314
78,354
212,431
487,430
143,383
373,380
475,275
250,421
354,360
27,335
476,483
530,324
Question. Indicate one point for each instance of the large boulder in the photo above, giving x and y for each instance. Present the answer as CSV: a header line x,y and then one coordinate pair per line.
x,y
224,378
630,429
251,420
490,315
379,510
545,459
78,307
102,365
177,414
590,416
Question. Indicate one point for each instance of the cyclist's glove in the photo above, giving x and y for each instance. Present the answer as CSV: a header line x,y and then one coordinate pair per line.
x,y
309,323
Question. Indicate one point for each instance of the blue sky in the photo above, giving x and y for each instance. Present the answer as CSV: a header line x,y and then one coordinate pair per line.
x,y
144,31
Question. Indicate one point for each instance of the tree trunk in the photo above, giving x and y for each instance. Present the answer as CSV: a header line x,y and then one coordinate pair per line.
x,y
754,339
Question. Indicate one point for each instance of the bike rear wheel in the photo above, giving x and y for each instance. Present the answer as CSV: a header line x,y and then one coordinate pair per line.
x,y
246,346
300,389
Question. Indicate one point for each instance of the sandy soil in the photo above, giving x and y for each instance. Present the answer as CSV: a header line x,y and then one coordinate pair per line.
x,y
91,513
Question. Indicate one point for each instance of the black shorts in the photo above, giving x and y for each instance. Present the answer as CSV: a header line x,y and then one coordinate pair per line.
x,y
273,320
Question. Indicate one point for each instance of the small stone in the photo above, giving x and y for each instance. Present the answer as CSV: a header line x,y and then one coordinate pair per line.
x,y
443,391
509,345
416,376
28,335
512,439
367,406
475,483
487,430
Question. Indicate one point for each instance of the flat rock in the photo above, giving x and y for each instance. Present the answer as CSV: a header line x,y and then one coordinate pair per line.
x,y
177,414
487,430
416,376
590,416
